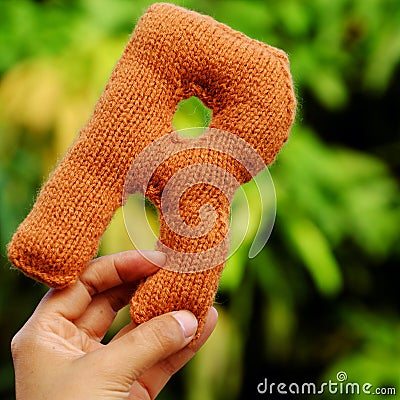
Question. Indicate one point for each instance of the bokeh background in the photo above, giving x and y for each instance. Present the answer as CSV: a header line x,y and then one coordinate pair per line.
x,y
323,295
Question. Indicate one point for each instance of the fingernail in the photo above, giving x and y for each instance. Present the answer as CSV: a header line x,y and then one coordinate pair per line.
x,y
214,311
187,321
155,257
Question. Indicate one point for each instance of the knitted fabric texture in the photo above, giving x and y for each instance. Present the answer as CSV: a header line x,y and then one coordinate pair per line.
x,y
173,54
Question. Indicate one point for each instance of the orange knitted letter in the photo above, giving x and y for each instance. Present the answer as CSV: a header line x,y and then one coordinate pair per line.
x,y
173,54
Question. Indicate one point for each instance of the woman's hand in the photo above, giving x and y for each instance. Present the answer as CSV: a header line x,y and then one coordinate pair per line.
x,y
58,353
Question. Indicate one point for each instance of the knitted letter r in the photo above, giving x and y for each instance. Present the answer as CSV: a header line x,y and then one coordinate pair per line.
x,y
173,54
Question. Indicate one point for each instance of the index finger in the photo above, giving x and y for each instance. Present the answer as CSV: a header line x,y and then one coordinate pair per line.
x,y
113,270
100,275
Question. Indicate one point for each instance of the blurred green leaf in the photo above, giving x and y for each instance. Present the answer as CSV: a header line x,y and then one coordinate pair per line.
x,y
375,359
215,372
191,113
313,248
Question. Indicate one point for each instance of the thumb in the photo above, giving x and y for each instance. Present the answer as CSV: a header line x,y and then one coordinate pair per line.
x,y
125,359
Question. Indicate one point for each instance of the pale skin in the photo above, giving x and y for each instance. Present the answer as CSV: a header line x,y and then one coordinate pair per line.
x,y
58,353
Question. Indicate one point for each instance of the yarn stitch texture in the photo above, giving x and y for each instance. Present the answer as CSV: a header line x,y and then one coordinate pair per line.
x,y
172,54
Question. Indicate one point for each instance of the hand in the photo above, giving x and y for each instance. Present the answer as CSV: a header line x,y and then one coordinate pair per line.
x,y
58,353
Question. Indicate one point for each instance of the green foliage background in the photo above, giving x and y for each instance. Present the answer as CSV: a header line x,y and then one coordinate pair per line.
x,y
322,296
